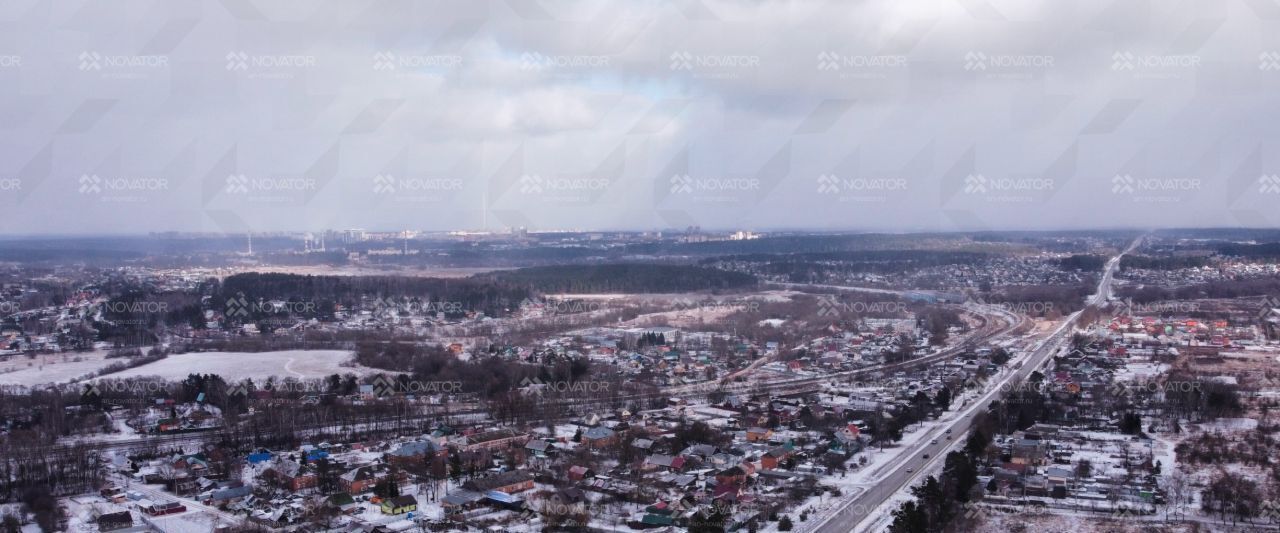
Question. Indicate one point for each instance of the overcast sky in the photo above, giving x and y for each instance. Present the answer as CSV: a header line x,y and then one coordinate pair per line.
x,y
130,116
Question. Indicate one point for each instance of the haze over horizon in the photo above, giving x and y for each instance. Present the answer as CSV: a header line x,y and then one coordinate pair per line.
x,y
250,116
766,232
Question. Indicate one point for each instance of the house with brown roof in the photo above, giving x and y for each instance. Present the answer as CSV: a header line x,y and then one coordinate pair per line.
x,y
495,440
115,521
775,457
664,462
733,476
759,434
508,482
579,473
362,479
290,474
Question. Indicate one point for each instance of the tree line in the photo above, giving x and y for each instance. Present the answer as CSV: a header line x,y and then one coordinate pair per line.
x,y
620,277
490,295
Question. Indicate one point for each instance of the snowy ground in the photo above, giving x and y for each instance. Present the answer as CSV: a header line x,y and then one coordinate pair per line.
x,y
234,366
82,511
188,522
52,368
1140,370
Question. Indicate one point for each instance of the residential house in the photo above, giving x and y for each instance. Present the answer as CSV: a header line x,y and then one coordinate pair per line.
x,y
539,447
295,476
399,505
579,473
461,500
759,434
566,502
495,440
703,451
508,482
1036,485
1028,452
599,437
359,480
665,462
161,508
775,457
733,476
230,495
343,502
416,453
115,521
195,465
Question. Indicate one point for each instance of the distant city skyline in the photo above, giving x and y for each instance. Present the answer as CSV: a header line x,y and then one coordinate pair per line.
x,y
881,116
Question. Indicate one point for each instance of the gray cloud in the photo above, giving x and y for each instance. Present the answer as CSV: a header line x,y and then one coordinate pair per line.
x,y
883,114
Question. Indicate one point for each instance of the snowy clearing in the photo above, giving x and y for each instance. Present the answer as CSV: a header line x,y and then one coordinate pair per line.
x,y
47,369
235,366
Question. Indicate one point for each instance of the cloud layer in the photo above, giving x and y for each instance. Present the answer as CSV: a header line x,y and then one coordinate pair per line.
x,y
137,116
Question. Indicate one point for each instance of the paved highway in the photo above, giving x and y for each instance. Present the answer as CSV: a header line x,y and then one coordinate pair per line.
x,y
869,505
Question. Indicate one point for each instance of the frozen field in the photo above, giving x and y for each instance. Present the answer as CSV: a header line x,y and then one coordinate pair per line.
x,y
50,369
234,366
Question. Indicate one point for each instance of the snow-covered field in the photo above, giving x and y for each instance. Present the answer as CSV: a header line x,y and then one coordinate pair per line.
x,y
235,366
51,368
1140,371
